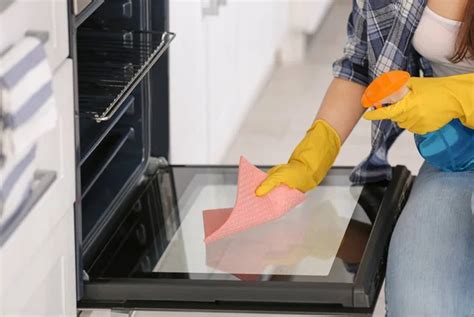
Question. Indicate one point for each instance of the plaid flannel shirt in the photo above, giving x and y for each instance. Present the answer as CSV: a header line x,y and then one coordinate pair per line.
x,y
379,40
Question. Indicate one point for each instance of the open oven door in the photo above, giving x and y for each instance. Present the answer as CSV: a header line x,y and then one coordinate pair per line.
x,y
327,255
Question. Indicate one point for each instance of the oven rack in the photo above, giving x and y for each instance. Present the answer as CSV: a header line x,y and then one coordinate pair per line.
x,y
94,169
117,173
110,66
92,134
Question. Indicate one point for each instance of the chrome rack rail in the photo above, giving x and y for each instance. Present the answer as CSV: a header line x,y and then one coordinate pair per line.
x,y
111,65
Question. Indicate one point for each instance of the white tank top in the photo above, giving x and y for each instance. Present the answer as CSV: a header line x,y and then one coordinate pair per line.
x,y
435,39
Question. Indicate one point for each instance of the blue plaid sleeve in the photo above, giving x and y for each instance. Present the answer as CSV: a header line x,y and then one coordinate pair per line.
x,y
353,66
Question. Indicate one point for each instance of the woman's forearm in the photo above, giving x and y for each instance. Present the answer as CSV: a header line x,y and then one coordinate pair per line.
x,y
341,106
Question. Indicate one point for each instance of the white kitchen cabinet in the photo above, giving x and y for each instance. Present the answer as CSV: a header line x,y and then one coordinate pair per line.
x,y
37,261
45,285
203,81
47,18
12,18
188,107
50,16
218,63
56,150
223,108
304,18
55,153
260,30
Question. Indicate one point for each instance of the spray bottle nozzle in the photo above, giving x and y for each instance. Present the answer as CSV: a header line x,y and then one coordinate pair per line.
x,y
386,89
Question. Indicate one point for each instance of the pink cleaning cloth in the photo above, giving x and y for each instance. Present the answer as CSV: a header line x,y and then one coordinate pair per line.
x,y
213,219
249,210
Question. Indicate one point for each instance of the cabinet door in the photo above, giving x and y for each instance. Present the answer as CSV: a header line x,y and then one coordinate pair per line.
x,y
55,153
222,56
188,107
51,16
38,274
242,42
261,26
203,83
222,81
47,18
45,286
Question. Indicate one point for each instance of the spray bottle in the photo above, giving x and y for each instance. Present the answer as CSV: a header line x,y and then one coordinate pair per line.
x,y
450,149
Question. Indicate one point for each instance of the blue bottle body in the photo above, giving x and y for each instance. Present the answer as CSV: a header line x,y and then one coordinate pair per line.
x,y
450,149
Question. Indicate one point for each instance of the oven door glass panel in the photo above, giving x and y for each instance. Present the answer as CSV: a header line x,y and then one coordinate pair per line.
x,y
304,242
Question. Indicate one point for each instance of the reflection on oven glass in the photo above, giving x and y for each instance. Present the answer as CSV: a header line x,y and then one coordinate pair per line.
x,y
299,243
304,242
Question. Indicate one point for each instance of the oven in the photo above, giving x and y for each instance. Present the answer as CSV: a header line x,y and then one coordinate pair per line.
x,y
140,222
118,49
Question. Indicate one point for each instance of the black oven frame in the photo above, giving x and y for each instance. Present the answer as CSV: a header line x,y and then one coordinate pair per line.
x,y
157,107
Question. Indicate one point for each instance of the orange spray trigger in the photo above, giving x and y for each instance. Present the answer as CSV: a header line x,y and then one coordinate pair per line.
x,y
386,89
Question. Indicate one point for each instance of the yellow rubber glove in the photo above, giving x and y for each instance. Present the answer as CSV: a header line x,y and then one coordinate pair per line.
x,y
309,163
431,104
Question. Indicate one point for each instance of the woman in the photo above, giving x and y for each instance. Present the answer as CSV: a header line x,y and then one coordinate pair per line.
x,y
431,257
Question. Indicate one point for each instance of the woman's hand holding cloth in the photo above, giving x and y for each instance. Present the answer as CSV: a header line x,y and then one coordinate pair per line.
x,y
309,163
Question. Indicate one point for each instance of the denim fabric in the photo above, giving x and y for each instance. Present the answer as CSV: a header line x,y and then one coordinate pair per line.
x,y
430,268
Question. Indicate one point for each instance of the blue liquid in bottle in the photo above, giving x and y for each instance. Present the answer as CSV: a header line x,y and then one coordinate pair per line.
x,y
450,149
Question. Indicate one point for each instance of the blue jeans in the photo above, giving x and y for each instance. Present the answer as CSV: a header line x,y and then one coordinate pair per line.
x,y
430,270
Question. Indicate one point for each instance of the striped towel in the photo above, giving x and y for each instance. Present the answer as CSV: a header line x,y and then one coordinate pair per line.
x,y
26,97
27,111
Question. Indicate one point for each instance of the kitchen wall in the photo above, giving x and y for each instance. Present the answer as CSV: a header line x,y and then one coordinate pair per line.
x,y
287,106
221,60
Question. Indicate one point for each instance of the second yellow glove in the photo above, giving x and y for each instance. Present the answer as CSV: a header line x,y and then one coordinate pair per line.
x,y
431,104
309,163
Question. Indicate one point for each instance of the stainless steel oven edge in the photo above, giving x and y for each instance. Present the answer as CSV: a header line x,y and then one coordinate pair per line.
x,y
80,5
390,208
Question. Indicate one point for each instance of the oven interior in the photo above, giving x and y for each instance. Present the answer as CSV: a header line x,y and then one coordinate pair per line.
x,y
117,52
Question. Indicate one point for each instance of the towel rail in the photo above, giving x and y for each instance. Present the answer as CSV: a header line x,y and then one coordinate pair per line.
x,y
43,181
43,36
